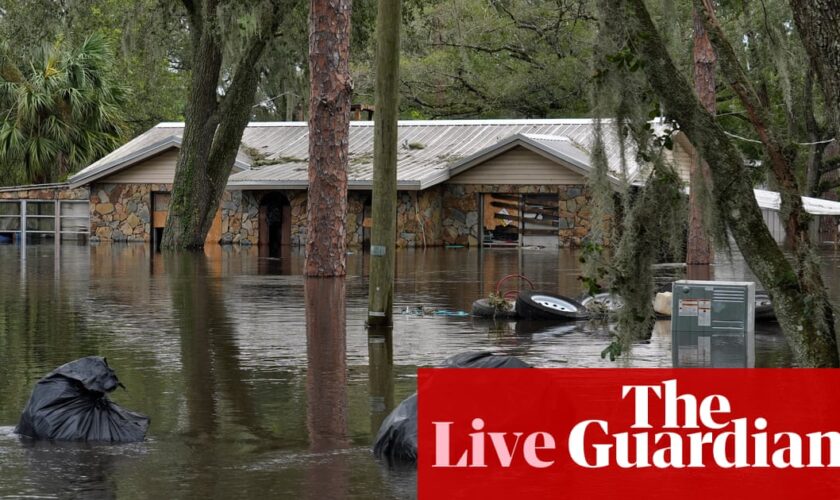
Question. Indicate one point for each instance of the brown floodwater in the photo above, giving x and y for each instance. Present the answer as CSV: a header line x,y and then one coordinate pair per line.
x,y
260,383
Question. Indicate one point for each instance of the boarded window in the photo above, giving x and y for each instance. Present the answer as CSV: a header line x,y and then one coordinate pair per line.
x,y
526,219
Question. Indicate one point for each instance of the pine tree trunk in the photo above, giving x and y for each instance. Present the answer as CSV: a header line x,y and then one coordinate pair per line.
x,y
818,25
384,203
699,247
329,125
804,314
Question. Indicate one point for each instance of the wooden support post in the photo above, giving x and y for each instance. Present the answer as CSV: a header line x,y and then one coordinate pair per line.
x,y
384,203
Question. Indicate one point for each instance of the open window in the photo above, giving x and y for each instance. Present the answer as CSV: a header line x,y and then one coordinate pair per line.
x,y
511,219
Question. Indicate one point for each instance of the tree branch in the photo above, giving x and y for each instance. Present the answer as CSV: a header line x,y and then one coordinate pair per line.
x,y
830,165
234,109
829,185
809,331
515,52
759,116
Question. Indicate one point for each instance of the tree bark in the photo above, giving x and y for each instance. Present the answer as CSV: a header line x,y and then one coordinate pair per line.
x,y
213,128
818,24
190,194
781,162
813,172
329,127
699,247
384,203
806,325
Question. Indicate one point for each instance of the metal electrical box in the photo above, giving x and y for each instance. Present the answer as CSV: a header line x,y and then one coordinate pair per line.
x,y
713,324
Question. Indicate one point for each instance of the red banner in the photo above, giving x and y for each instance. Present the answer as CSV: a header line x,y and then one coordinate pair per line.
x,y
616,433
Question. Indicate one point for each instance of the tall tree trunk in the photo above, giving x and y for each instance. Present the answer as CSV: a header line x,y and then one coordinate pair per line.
x,y
214,127
191,197
699,248
805,324
329,130
818,25
384,203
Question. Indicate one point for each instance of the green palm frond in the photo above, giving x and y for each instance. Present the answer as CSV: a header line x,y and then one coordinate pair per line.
x,y
67,110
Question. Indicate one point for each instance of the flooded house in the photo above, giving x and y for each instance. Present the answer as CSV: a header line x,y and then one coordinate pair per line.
x,y
460,182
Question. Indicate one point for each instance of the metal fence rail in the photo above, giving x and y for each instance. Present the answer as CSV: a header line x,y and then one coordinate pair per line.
x,y
58,218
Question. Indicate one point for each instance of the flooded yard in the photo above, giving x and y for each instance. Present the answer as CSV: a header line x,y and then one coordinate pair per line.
x,y
245,401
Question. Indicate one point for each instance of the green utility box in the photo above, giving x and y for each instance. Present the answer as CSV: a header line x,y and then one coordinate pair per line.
x,y
713,324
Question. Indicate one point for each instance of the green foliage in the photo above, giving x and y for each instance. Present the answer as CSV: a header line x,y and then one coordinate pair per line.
x,y
502,58
146,40
498,302
62,109
649,223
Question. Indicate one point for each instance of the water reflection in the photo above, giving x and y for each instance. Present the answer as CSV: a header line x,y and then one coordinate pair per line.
x,y
209,352
380,374
258,382
326,385
91,476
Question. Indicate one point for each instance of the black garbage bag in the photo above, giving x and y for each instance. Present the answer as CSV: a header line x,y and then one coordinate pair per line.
x,y
71,404
396,441
483,359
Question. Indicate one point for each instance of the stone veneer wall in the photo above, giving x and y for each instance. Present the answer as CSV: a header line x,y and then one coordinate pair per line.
x,y
356,201
297,199
240,217
575,215
52,193
418,217
461,204
122,212
443,215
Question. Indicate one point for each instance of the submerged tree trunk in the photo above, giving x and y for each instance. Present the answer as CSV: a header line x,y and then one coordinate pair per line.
x,y
384,206
191,195
818,25
807,323
214,126
329,127
699,247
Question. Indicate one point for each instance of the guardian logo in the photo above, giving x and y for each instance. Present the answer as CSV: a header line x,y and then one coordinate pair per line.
x,y
504,432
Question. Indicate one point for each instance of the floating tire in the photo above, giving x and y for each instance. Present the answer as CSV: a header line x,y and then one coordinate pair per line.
x,y
609,302
548,306
764,307
482,308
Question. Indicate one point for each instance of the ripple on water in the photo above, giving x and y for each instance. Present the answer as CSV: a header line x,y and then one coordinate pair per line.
x,y
215,350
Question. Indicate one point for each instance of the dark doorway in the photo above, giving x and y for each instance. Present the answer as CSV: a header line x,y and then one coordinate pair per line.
x,y
275,224
367,222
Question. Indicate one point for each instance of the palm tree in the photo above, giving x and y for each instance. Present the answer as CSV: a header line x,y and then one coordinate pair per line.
x,y
60,110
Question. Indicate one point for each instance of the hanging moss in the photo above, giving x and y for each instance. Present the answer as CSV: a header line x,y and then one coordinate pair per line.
x,y
648,222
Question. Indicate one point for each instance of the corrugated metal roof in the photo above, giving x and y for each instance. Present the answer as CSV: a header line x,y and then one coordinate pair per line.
x,y
146,145
816,206
428,149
